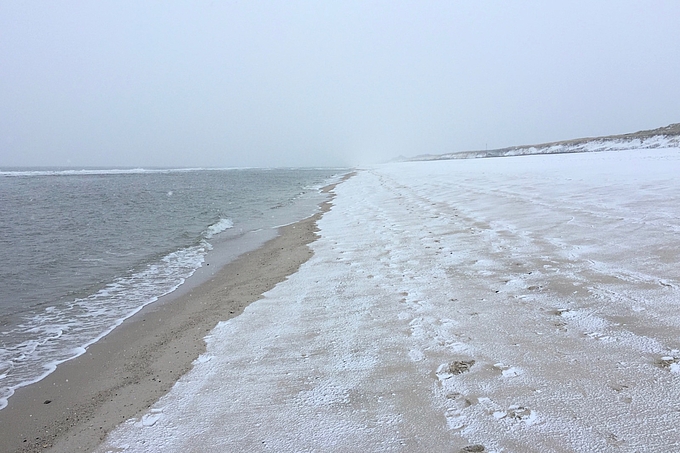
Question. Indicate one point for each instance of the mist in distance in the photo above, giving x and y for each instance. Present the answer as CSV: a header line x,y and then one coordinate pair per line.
x,y
305,83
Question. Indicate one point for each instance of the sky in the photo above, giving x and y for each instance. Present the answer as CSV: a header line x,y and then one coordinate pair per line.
x,y
324,83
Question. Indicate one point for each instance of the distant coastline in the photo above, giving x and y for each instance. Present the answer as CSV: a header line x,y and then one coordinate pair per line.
x,y
662,137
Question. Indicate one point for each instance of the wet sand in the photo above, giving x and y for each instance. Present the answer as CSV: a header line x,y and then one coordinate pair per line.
x,y
127,371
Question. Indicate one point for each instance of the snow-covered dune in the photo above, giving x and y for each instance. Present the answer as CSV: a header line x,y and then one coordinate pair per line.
x,y
664,137
510,305
600,144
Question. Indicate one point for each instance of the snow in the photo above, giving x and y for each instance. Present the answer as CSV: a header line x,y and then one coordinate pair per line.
x,y
521,303
573,146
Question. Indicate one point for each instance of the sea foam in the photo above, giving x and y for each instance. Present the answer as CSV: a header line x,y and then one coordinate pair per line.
x,y
220,226
84,321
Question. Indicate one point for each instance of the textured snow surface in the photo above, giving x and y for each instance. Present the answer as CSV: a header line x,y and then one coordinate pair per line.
x,y
526,304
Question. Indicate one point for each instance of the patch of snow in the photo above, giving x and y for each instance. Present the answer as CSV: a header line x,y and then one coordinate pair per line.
x,y
523,304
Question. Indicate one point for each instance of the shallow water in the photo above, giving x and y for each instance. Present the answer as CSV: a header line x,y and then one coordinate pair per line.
x,y
82,250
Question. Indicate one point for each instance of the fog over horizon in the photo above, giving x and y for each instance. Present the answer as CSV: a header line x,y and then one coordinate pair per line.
x,y
304,83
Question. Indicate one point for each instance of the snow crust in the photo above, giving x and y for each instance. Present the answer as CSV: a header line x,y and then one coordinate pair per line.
x,y
526,304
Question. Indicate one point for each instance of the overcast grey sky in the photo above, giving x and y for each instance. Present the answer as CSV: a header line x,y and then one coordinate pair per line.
x,y
291,83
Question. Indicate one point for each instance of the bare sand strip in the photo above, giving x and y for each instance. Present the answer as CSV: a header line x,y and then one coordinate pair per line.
x,y
127,371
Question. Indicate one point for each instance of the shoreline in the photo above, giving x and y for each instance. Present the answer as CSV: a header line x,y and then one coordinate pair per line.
x,y
124,373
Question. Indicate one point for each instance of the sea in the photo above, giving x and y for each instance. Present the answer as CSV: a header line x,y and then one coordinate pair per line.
x,y
81,250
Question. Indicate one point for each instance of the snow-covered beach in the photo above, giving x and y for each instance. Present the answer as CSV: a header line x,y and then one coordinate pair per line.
x,y
519,304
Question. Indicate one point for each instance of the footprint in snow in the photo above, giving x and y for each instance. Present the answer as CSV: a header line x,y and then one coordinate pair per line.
x,y
477,448
517,412
508,371
670,362
447,370
457,402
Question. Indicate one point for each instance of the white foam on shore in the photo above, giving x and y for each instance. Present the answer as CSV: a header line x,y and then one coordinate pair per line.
x,y
55,336
218,227
33,343
525,304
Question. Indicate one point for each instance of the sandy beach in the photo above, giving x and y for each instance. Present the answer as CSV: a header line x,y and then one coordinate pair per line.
x,y
520,304
339,227
524,304
127,371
